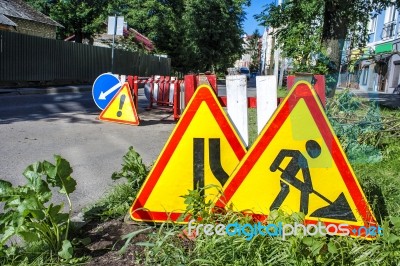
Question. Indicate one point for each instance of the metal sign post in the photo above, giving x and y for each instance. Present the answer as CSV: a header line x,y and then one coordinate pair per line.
x,y
115,27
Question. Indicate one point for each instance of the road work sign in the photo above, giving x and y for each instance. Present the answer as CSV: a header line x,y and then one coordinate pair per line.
x,y
202,151
297,165
104,89
121,108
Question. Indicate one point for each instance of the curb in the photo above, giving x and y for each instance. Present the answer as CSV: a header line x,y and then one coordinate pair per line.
x,y
47,90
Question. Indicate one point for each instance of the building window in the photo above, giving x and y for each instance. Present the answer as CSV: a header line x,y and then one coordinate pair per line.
x,y
389,22
388,29
372,25
390,14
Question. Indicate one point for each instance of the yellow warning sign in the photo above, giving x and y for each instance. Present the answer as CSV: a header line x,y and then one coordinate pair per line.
x,y
121,108
297,165
202,151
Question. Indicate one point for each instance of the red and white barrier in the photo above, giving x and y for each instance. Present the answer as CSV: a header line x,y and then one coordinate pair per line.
x,y
162,91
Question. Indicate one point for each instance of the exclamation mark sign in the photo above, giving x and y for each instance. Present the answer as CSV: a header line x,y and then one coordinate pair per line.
x,y
121,103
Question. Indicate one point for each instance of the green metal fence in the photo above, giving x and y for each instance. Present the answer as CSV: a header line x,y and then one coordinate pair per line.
x,y
29,59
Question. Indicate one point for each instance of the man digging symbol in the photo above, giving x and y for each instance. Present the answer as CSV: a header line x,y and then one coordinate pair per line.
x,y
298,162
338,209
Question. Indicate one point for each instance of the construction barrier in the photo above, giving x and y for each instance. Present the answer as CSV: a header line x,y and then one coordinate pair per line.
x,y
193,81
161,91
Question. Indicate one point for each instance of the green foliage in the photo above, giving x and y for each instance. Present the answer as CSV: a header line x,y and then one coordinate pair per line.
x,y
357,130
79,18
313,33
42,6
119,200
198,35
213,32
171,246
298,30
29,214
114,204
369,136
133,169
381,181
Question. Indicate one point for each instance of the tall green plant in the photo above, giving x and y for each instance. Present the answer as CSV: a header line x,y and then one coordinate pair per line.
x,y
29,212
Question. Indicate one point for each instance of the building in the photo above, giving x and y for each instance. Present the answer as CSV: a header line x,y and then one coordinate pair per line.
x,y
17,16
245,59
267,47
252,53
376,67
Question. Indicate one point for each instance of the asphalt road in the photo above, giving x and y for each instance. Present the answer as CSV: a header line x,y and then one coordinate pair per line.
x,y
35,127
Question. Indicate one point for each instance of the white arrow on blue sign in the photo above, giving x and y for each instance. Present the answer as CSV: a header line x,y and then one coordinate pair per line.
x,y
104,88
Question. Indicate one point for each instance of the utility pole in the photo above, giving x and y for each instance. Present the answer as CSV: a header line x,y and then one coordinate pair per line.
x,y
113,44
277,53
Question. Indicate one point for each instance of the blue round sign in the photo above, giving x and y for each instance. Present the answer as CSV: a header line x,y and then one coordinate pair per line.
x,y
104,88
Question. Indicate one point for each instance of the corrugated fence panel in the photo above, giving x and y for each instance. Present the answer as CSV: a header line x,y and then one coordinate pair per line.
x,y
26,58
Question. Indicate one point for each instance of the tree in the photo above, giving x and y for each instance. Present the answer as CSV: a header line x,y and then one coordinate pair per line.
x,y
213,32
82,18
42,6
198,35
254,50
162,22
313,32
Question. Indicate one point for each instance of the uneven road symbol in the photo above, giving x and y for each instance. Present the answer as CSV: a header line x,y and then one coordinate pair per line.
x,y
214,148
201,152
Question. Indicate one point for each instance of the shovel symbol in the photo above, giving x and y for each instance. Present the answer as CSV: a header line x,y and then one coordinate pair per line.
x,y
338,209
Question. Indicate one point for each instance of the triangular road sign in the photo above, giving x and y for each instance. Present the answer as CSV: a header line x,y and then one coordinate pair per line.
x,y
202,150
121,108
297,164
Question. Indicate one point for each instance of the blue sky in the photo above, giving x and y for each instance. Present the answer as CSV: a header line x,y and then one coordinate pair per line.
x,y
250,24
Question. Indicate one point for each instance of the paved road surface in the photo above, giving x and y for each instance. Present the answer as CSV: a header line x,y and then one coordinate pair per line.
x,y
34,127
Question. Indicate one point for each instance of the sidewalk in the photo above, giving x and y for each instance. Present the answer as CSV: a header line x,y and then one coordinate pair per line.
x,y
389,100
45,90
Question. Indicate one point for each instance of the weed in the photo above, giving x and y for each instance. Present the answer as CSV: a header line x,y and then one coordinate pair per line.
x,y
30,219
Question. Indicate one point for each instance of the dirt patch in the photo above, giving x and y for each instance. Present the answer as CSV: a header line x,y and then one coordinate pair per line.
x,y
106,242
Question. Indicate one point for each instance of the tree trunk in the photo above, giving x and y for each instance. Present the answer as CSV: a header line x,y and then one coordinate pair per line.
x,y
333,37
78,37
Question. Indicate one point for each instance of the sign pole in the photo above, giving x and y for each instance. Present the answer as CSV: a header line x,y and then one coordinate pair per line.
x,y
113,43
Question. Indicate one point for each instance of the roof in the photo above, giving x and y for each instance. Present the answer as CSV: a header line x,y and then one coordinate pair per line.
x,y
5,21
19,9
104,38
140,38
